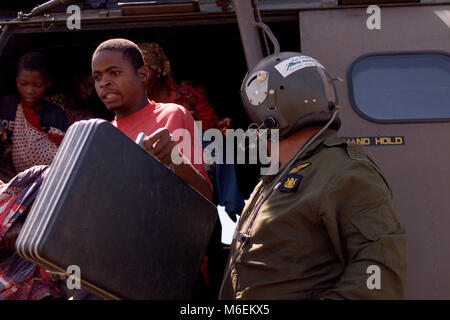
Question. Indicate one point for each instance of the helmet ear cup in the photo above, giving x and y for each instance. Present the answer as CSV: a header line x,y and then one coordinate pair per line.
x,y
257,87
288,91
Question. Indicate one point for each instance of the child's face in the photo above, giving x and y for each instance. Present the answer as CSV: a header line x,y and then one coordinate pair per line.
x,y
118,84
31,85
84,89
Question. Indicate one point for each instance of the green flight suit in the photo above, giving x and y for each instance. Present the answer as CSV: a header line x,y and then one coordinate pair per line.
x,y
330,231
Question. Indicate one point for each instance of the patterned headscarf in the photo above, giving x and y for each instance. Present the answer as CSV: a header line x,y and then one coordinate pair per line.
x,y
155,58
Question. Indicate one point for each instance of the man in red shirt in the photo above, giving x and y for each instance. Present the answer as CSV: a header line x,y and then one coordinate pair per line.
x,y
120,74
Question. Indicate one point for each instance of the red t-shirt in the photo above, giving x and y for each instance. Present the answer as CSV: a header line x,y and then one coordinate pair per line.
x,y
174,117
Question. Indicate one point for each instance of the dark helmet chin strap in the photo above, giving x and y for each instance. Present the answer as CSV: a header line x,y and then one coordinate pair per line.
x,y
267,125
271,123
319,118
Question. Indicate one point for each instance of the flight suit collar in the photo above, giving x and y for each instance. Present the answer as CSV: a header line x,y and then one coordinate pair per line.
x,y
328,137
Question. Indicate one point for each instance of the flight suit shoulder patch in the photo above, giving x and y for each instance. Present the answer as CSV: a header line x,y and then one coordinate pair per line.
x,y
290,183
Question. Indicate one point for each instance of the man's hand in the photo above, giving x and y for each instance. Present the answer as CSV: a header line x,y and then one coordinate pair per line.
x,y
9,240
159,144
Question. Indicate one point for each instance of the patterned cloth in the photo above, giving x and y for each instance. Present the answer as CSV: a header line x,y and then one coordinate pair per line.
x,y
31,144
59,99
197,104
184,95
73,115
155,58
50,116
20,279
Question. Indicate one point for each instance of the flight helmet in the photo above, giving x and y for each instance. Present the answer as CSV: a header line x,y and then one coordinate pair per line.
x,y
289,91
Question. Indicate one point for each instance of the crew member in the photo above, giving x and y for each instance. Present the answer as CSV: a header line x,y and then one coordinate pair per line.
x,y
324,226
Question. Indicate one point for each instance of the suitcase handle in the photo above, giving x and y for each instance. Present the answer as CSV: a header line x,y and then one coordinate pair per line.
x,y
140,142
140,139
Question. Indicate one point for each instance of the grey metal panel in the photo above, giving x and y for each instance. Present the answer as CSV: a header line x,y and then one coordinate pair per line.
x,y
249,32
418,171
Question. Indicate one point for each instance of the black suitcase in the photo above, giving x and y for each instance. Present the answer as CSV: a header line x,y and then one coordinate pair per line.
x,y
134,228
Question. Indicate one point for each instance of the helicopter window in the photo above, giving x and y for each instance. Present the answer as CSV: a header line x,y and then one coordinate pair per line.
x,y
401,87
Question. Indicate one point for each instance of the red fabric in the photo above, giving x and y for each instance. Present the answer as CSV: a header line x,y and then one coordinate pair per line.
x,y
20,279
35,121
204,270
9,208
203,111
34,288
173,117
